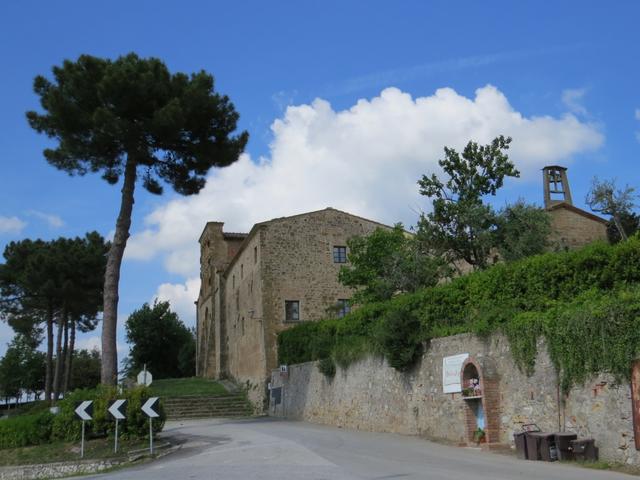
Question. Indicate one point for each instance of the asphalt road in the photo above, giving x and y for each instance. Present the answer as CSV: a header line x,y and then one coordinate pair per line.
x,y
285,450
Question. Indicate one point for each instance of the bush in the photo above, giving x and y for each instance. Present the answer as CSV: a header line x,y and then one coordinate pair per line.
x,y
548,295
45,427
25,430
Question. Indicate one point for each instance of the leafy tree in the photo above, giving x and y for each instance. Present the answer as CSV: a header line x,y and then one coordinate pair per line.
x,y
630,223
387,262
461,227
604,197
159,340
522,231
131,117
22,368
55,283
86,369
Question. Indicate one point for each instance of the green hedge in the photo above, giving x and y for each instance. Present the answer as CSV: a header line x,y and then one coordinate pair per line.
x,y
34,429
548,295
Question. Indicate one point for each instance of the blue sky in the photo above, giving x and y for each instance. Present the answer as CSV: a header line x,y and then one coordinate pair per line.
x,y
563,81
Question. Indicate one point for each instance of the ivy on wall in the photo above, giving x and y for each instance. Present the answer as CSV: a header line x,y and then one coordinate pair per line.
x,y
584,303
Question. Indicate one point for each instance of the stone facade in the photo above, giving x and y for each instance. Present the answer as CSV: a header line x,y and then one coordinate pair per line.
x,y
247,280
572,227
369,395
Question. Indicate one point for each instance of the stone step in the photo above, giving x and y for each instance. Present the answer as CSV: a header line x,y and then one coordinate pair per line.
x,y
228,405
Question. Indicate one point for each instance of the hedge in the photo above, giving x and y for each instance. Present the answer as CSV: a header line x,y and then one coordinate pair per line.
x,y
44,427
547,295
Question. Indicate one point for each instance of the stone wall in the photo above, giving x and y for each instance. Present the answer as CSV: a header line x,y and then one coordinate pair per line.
x,y
369,395
573,228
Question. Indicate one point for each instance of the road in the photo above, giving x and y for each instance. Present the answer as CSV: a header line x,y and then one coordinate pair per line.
x,y
272,449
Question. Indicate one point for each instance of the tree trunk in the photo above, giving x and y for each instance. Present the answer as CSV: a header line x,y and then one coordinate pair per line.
x,y
67,365
618,224
109,371
65,351
58,369
48,379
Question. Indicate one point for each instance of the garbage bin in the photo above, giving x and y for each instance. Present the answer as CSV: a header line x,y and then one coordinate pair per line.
x,y
542,446
520,440
584,449
563,445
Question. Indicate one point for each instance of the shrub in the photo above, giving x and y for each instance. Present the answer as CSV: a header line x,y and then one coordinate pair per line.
x,y
25,430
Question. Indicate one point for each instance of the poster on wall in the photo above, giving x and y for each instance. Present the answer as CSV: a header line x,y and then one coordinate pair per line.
x,y
451,373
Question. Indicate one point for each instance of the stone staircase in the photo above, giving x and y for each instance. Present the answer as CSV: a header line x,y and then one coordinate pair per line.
x,y
226,405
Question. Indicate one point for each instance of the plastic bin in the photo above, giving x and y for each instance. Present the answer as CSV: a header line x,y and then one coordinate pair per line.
x,y
520,440
563,444
542,446
584,449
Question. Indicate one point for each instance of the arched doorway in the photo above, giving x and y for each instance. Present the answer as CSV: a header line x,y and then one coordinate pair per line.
x,y
481,399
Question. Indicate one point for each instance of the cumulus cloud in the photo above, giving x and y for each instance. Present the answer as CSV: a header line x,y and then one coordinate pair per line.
x,y
365,160
53,221
11,224
573,100
181,297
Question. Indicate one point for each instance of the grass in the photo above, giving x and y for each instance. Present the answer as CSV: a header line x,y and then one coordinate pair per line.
x,y
612,466
177,387
64,451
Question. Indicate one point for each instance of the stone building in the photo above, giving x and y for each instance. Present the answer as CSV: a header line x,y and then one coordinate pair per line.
x,y
571,227
253,286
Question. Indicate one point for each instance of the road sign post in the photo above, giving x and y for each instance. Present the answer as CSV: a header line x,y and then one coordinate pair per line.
x,y
116,410
150,409
83,411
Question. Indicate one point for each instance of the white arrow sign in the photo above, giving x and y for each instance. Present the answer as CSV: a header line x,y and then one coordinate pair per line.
x,y
116,409
150,406
84,410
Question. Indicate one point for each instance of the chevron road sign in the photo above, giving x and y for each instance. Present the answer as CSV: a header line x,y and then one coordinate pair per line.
x,y
84,410
116,408
150,407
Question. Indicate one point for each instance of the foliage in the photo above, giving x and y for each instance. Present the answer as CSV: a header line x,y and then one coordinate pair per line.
x,y
21,368
630,223
160,340
522,231
66,426
26,430
327,367
584,303
86,369
387,262
131,117
605,197
461,227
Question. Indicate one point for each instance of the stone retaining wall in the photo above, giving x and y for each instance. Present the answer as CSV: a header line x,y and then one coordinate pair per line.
x,y
56,470
369,395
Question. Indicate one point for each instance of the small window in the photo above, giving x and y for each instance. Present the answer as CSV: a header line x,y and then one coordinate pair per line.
x,y
339,254
241,270
242,326
291,311
343,307
255,254
233,281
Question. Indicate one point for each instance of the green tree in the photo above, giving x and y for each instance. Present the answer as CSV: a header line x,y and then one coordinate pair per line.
x,y
131,117
58,284
86,369
461,227
522,231
159,340
388,262
630,223
22,368
605,197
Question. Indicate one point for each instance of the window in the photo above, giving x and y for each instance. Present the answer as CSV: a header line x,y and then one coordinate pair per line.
x,y
339,254
242,270
255,254
291,311
343,307
233,281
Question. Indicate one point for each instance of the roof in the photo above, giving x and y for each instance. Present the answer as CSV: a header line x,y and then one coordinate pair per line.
x,y
579,211
259,225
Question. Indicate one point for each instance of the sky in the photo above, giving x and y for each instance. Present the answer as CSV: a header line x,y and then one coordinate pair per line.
x,y
347,104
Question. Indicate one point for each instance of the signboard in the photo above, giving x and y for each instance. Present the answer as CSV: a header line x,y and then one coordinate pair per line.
x,y
116,408
451,373
150,407
145,378
84,410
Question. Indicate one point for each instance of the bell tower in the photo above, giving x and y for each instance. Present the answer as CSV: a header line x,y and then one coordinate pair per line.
x,y
556,186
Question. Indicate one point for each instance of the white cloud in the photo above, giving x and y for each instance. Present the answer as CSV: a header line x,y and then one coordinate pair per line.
x,y
365,160
53,221
573,98
11,224
182,298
